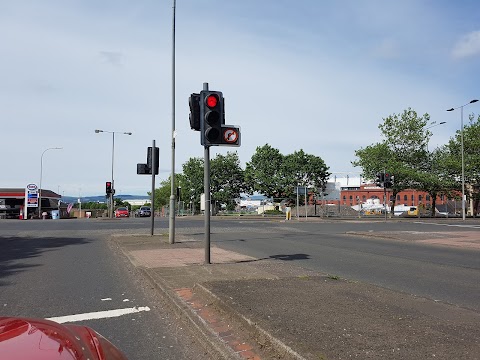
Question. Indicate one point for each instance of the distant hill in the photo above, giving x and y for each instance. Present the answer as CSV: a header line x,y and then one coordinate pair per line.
x,y
102,198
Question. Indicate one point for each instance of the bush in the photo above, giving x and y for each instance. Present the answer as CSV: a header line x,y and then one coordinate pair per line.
x,y
273,212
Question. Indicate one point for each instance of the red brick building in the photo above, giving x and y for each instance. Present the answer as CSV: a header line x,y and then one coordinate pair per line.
x,y
354,195
410,197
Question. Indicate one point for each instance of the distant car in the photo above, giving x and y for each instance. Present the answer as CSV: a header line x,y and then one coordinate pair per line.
x,y
144,211
121,212
26,338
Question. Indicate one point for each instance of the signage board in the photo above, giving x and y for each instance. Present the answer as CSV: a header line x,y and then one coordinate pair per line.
x,y
31,196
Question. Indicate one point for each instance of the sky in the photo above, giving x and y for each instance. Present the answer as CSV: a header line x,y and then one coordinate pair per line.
x,y
315,75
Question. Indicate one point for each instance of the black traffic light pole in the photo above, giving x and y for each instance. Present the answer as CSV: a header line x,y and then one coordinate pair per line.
x,y
152,201
206,190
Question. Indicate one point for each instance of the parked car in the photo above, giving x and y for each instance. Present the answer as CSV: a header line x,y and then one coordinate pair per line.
x,y
121,212
27,338
144,211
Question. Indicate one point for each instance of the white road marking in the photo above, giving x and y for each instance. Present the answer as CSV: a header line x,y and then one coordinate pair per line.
x,y
473,226
106,299
98,315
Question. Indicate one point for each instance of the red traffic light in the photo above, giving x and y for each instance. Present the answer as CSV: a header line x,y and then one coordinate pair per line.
x,y
211,100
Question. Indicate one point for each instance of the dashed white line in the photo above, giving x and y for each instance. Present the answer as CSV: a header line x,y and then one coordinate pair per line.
x,y
98,314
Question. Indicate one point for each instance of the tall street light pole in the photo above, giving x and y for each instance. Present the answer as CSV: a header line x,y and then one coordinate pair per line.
x,y
41,174
113,158
463,160
171,227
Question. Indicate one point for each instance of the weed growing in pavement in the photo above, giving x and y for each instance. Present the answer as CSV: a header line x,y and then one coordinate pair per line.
x,y
333,277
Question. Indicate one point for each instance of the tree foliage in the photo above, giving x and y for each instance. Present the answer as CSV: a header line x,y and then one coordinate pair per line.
x,y
227,179
404,153
301,169
263,173
453,160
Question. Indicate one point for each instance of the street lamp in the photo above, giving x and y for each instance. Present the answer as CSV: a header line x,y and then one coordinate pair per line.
x,y
41,174
463,160
432,125
113,157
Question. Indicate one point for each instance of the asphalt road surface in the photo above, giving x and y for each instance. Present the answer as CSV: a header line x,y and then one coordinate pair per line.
x,y
49,272
65,267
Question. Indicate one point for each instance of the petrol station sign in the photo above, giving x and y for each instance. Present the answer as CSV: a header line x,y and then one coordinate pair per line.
x,y
31,196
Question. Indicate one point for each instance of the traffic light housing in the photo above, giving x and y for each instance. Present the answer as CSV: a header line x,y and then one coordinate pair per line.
x,y
379,180
108,187
211,117
388,180
194,104
150,164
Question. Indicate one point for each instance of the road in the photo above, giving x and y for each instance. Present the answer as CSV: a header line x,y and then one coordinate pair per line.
x,y
449,274
65,267
56,269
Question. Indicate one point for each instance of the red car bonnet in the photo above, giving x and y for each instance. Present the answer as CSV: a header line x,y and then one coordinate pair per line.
x,y
39,339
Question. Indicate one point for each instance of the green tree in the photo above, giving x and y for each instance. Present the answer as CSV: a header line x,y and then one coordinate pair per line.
x,y
227,179
301,169
162,193
118,202
263,173
402,152
471,153
192,181
433,177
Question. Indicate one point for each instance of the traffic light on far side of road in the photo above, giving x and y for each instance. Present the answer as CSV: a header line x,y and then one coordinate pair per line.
x,y
108,187
388,180
379,180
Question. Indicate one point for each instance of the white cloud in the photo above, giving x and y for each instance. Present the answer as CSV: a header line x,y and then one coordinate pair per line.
x,y
468,45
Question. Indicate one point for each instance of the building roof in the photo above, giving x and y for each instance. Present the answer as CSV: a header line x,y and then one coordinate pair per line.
x,y
20,193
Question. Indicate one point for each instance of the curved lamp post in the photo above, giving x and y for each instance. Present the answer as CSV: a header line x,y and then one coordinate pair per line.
x,y
41,174
463,160
113,156
432,125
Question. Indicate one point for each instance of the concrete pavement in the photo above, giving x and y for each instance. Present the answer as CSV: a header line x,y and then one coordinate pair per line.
x,y
248,308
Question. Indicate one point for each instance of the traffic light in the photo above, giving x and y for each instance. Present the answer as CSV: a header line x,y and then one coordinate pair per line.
x,y
211,117
379,179
150,161
194,104
388,180
108,187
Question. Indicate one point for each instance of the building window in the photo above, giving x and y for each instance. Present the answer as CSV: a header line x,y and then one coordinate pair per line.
x,y
398,197
351,198
364,198
413,197
344,197
427,197
419,197
405,198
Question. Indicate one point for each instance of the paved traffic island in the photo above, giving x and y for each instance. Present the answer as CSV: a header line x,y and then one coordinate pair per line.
x,y
269,308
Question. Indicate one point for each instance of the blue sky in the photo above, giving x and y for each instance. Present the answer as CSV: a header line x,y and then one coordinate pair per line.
x,y
305,74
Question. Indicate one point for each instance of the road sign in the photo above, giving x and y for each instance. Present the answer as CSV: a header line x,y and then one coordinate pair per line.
x,y
230,135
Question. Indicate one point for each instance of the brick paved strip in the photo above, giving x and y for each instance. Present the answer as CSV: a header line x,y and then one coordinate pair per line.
x,y
153,258
221,328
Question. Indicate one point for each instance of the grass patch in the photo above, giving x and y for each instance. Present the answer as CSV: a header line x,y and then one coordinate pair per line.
x,y
304,277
